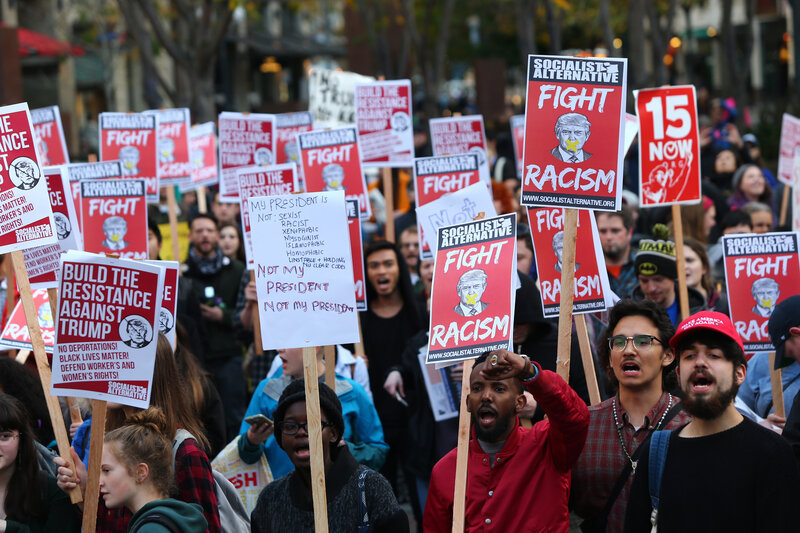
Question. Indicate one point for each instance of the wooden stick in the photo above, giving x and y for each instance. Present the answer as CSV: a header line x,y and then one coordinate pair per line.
x,y
784,204
329,354
315,441
683,289
22,356
567,293
359,347
10,298
462,452
95,460
172,211
388,194
258,346
39,354
202,201
588,360
776,380
74,409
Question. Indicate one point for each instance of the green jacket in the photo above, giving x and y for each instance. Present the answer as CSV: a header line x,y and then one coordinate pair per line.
x,y
187,517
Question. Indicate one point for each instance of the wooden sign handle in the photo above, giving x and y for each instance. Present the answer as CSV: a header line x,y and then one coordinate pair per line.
x,y
567,293
388,194
462,451
258,346
330,366
74,409
95,460
202,200
315,443
787,191
680,258
172,213
587,359
776,380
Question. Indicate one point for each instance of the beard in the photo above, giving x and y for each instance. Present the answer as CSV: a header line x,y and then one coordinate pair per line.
x,y
712,405
491,435
615,252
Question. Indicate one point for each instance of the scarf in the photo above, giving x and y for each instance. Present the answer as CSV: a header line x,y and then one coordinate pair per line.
x,y
208,266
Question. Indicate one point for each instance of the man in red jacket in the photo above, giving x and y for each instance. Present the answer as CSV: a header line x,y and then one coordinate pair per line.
x,y
518,479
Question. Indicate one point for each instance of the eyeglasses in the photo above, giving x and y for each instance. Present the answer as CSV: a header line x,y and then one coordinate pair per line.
x,y
617,343
290,427
6,436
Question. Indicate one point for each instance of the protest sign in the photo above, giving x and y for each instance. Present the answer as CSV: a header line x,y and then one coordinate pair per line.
x,y
574,130
591,289
245,139
631,130
106,328
357,254
790,140
436,176
331,162
461,135
518,141
173,146
331,96
760,272
78,172
442,391
303,270
132,138
261,181
49,135
26,218
15,333
42,262
114,214
383,119
169,299
461,206
287,126
669,146
472,296
202,156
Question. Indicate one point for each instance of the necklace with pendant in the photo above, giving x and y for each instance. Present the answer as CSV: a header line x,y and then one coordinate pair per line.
x,y
619,432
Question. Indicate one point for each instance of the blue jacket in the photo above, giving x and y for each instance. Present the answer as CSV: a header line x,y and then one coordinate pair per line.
x,y
362,427
756,391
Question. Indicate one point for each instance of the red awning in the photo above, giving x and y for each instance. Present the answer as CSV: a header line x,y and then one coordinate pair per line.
x,y
32,43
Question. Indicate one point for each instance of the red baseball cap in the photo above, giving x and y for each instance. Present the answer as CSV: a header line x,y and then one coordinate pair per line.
x,y
710,320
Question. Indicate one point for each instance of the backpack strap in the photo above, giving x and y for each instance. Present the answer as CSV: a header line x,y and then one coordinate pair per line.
x,y
363,521
659,447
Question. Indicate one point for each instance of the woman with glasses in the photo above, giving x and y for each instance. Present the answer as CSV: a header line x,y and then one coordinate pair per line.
x,y
641,367
358,498
30,500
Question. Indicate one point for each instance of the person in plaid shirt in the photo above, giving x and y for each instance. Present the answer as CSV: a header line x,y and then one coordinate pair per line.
x,y
641,366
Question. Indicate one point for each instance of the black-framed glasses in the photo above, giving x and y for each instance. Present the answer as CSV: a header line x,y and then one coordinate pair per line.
x,y
7,436
290,427
617,343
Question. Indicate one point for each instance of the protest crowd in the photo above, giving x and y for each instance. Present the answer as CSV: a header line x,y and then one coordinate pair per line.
x,y
658,412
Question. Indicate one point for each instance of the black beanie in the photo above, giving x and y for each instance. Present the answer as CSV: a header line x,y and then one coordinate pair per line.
x,y
656,258
296,392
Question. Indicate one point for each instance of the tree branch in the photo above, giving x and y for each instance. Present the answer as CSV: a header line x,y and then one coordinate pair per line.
x,y
224,17
160,32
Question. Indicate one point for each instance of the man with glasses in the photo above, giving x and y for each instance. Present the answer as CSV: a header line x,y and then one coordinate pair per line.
x,y
640,366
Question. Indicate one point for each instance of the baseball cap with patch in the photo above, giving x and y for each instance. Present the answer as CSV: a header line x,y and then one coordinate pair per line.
x,y
785,316
707,320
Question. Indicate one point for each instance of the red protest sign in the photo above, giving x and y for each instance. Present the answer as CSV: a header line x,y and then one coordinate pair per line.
x,y
574,129
790,141
203,156
49,135
385,128
669,146
460,135
26,218
15,333
760,272
264,181
133,139
518,140
436,176
169,298
106,335
357,252
114,214
287,126
331,162
591,279
42,263
245,139
173,146
472,296
87,171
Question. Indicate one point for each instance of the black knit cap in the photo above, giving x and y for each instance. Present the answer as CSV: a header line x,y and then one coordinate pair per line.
x,y
657,257
296,392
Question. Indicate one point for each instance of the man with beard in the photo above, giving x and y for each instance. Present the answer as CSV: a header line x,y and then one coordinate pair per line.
x,y
722,472
616,231
518,477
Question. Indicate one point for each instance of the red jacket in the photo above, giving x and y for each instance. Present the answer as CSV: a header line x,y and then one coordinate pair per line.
x,y
528,488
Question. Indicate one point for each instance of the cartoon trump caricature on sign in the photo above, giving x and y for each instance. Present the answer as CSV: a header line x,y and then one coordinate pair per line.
x,y
166,150
24,173
165,321
766,292
572,132
129,155
135,331
262,156
470,288
333,176
558,250
115,229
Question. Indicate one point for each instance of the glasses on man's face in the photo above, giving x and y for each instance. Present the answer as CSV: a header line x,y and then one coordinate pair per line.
x,y
290,427
617,343
8,436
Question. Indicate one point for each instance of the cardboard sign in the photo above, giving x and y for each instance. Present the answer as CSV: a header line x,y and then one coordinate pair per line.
x,y
49,135
114,213
518,140
245,140
202,156
357,253
472,296
760,272
262,181
436,176
42,263
440,389
461,135
631,130
106,336
592,290
331,96
304,275
790,141
173,146
458,207
669,146
331,162
78,172
132,138
574,130
15,333
26,218
287,126
168,313
384,121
